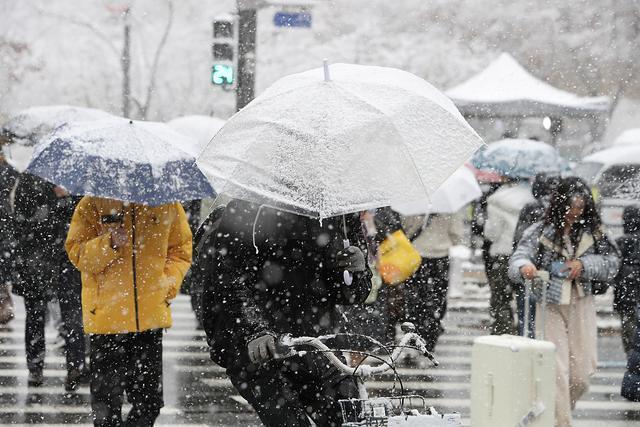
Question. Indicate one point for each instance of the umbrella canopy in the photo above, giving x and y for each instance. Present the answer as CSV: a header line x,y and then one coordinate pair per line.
x,y
323,143
457,191
629,190
28,127
519,158
628,137
121,159
199,128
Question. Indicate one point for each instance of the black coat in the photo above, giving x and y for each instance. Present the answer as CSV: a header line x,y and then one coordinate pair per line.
x,y
8,177
627,287
41,223
286,283
631,381
529,215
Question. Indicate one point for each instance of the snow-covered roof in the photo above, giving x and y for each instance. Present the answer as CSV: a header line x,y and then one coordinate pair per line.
x,y
625,154
630,136
506,88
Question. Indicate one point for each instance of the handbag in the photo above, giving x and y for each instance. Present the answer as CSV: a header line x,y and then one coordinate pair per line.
x,y
397,259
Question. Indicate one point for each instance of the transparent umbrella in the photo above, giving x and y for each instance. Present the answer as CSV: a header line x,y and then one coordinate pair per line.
x,y
323,143
519,158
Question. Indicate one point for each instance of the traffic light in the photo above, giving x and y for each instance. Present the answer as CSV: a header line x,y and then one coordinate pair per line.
x,y
224,51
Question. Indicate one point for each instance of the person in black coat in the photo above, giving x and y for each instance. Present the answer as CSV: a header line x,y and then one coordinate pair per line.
x,y
280,273
626,293
35,264
42,215
8,177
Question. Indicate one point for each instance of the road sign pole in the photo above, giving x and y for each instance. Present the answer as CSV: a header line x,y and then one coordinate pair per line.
x,y
247,25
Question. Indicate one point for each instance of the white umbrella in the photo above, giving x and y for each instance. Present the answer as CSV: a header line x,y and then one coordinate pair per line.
x,y
28,127
456,192
322,145
199,128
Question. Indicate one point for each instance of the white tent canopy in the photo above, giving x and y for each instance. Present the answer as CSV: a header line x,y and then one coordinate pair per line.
x,y
505,88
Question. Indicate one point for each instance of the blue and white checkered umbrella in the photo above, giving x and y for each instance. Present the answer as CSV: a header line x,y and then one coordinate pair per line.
x,y
519,158
121,159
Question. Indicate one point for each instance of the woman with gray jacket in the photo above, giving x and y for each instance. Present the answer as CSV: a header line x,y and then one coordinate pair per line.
x,y
571,253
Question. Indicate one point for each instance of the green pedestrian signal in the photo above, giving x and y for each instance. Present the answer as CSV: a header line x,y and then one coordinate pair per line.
x,y
222,75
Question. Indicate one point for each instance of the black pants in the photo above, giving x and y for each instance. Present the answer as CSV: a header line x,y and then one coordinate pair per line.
x,y
130,363
285,392
36,310
69,289
426,298
501,286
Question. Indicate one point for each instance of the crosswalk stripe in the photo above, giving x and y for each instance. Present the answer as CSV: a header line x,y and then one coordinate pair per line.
x,y
186,351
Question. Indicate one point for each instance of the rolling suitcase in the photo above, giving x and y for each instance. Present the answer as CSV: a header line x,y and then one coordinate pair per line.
x,y
513,381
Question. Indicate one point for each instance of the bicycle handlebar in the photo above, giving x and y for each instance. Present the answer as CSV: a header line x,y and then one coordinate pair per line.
x,y
363,371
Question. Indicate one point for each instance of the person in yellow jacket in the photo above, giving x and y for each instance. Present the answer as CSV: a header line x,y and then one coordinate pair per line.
x,y
132,258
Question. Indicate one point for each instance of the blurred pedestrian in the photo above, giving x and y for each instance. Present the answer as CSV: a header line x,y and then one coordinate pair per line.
x,y
631,381
8,179
426,291
390,298
279,273
203,260
67,287
503,210
626,293
541,188
35,264
570,245
132,258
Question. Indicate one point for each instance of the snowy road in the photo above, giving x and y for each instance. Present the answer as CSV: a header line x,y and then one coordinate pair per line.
x,y
198,393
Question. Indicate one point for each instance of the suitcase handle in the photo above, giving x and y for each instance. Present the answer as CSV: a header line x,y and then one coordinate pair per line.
x,y
491,392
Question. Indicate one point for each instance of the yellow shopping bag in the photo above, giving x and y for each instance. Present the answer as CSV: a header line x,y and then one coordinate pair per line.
x,y
397,258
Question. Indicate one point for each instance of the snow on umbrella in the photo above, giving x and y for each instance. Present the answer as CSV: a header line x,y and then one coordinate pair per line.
x,y
199,128
519,158
323,145
121,159
628,190
28,127
457,191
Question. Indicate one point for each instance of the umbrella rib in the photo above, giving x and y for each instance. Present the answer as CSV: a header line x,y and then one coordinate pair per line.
x,y
404,148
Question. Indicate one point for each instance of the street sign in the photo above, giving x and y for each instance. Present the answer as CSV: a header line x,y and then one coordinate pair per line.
x,y
292,19
222,75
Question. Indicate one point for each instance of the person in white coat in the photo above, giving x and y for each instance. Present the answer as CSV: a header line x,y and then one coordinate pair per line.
x,y
503,211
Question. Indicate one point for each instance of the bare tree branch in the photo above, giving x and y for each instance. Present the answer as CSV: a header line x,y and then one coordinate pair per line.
x,y
83,24
154,67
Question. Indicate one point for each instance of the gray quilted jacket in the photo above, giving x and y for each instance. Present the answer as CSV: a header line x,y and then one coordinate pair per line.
x,y
599,258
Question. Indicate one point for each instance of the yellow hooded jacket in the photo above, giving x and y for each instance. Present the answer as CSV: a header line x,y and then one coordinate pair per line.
x,y
126,290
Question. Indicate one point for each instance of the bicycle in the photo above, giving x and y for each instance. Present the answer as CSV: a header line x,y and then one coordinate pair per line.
x,y
392,411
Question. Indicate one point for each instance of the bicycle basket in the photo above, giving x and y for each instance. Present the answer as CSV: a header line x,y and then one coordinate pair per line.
x,y
376,411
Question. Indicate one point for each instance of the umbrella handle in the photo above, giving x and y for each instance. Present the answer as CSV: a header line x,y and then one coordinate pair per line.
x,y
347,276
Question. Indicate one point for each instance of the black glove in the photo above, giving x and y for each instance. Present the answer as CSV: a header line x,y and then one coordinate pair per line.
x,y
351,259
262,348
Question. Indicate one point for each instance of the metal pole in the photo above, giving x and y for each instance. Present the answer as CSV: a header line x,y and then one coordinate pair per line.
x,y
126,65
247,25
527,298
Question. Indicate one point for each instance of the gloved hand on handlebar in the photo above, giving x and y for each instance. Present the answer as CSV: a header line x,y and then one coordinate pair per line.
x,y
351,259
262,348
